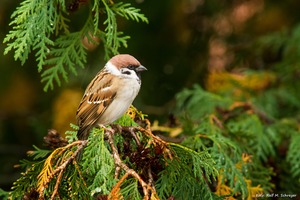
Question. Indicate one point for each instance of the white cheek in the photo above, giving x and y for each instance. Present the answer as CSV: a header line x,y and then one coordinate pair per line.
x,y
112,69
129,74
132,75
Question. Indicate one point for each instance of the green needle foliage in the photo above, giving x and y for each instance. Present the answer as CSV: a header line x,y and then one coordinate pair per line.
x,y
95,172
245,141
42,26
227,141
184,176
216,158
225,152
99,170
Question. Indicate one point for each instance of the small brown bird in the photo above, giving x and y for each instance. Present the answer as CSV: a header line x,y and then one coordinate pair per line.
x,y
109,94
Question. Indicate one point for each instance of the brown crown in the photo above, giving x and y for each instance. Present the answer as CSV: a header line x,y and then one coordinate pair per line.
x,y
124,60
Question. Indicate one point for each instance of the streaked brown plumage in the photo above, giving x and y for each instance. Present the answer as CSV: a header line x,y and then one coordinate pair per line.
x,y
109,94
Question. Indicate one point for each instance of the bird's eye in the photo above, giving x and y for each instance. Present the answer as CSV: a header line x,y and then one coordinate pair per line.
x,y
132,67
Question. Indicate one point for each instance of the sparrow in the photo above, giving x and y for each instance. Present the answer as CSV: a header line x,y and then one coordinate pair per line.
x,y
109,94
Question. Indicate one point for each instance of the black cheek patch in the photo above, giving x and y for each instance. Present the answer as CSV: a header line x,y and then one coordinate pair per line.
x,y
126,72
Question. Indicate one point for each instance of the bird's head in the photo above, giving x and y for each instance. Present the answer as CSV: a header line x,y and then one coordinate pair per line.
x,y
125,65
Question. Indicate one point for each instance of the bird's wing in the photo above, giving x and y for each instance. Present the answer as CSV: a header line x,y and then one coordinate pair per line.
x,y
98,96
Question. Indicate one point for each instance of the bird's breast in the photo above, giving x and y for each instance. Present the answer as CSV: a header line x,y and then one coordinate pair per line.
x,y
126,93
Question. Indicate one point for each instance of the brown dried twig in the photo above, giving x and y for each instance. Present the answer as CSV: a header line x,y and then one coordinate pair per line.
x,y
156,141
145,186
57,184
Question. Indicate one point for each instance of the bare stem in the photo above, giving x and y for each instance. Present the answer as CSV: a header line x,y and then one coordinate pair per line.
x,y
60,169
146,187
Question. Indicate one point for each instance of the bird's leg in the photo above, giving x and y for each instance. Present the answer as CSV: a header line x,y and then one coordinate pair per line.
x,y
131,130
101,126
106,129
117,127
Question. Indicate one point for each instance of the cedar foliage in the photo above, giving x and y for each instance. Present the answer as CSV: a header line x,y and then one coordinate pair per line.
x,y
236,142
42,26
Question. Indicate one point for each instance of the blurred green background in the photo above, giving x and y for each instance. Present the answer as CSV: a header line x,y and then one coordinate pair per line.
x,y
185,42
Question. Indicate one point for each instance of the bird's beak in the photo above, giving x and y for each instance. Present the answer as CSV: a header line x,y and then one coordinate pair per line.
x,y
140,68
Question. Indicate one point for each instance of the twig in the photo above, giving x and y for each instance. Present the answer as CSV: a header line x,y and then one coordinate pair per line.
x,y
57,184
157,141
117,172
131,129
146,187
151,182
147,131
62,167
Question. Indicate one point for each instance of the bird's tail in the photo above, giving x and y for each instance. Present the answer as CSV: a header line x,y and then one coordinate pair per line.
x,y
83,133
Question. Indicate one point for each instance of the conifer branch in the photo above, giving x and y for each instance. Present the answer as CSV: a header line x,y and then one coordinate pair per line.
x,y
60,169
127,161
44,26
